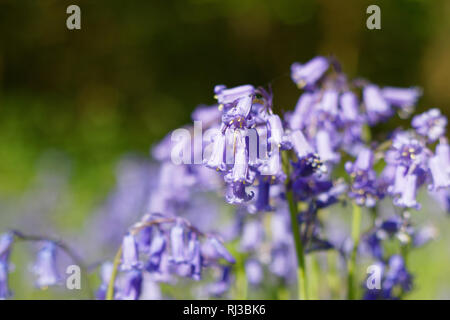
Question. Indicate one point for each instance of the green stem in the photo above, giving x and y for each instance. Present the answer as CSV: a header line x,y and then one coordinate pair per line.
x,y
301,267
356,230
314,276
241,279
112,279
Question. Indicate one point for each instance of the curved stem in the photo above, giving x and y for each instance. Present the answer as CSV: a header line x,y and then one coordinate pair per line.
x,y
301,265
112,279
356,230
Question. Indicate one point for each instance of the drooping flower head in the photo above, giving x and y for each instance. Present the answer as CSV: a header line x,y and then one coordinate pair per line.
x,y
430,124
246,147
6,241
307,74
364,188
45,267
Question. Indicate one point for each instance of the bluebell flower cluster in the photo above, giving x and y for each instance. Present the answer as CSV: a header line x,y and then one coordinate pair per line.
x,y
396,280
164,248
281,174
246,147
6,241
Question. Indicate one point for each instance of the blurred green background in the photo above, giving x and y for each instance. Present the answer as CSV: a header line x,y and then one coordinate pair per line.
x,y
137,69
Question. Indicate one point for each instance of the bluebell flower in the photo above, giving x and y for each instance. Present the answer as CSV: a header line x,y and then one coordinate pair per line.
x,y
377,108
443,152
430,124
208,115
177,242
195,256
277,138
131,286
174,188
45,267
407,198
325,147
397,275
217,158
261,203
364,188
328,107
401,97
374,245
236,193
105,275
226,96
151,289
144,239
248,125
221,286
156,251
254,272
399,180
308,161
424,235
300,145
4,287
271,169
221,250
6,241
238,116
309,187
439,172
442,197
282,262
406,150
299,118
280,228
307,74
349,108
240,174
391,225
331,195
240,171
252,235
130,254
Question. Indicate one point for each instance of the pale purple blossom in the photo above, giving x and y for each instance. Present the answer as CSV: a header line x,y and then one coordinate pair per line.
x,y
45,267
307,74
430,124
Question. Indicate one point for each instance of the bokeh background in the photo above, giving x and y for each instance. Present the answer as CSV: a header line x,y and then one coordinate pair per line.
x,y
73,104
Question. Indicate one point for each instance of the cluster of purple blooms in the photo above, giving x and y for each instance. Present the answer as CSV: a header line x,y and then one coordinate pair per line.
x,y
163,247
255,158
396,280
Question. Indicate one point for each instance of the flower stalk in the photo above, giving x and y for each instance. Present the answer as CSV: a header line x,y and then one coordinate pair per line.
x,y
301,261
302,291
356,230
